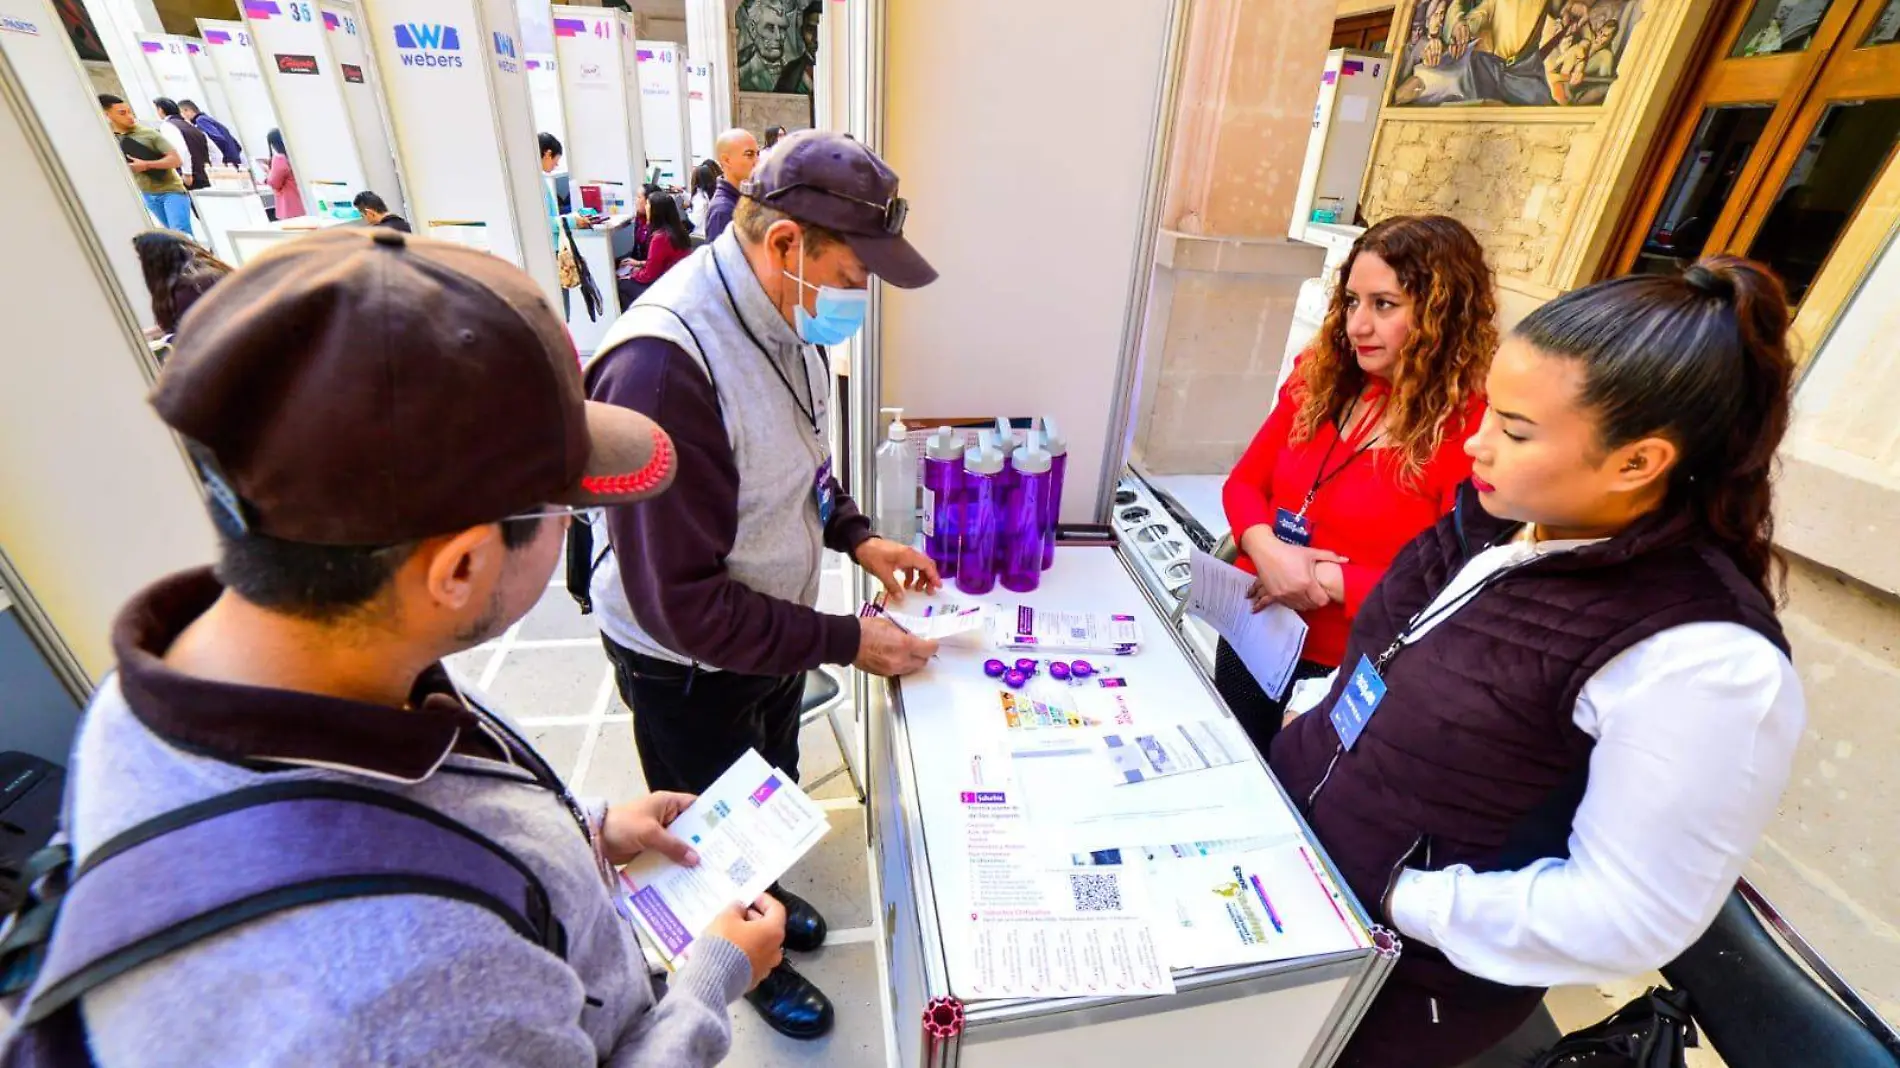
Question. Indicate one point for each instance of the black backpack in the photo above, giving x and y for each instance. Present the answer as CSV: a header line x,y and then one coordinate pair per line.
x,y
1649,1032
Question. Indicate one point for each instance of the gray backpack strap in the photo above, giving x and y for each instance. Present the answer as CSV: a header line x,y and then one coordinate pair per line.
x,y
232,859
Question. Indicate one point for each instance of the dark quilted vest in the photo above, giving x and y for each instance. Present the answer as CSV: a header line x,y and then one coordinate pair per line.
x,y
1472,757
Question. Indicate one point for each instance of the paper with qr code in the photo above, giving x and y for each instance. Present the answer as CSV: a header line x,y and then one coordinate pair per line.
x,y
1049,932
749,828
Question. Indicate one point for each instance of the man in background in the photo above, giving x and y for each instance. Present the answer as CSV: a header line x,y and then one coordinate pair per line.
x,y
228,148
738,153
154,164
375,211
197,147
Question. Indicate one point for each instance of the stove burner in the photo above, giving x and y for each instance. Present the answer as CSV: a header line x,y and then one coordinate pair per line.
x,y
1153,533
1165,550
1125,496
1135,515
1179,572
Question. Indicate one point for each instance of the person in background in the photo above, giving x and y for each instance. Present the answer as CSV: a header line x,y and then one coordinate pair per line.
x,y
706,599
773,135
228,148
551,152
153,162
197,145
668,244
1588,709
705,184
282,180
738,153
375,212
313,654
642,221
178,271
1365,446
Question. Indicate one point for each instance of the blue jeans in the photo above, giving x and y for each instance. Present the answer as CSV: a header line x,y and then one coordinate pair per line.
x,y
171,209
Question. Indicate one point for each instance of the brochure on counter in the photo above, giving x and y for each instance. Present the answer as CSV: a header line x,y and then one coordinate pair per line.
x,y
749,828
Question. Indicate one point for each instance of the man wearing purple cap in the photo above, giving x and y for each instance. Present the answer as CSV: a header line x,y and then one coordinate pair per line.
x,y
706,600
393,438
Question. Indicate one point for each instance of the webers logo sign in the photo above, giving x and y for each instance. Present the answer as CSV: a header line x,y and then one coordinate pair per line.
x,y
423,43
505,57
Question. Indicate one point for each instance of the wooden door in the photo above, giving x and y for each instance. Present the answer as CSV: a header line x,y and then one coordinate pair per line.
x,y
1365,32
1794,115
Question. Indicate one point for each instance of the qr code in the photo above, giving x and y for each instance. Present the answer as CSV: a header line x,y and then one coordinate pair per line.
x,y
1078,633
740,872
1096,893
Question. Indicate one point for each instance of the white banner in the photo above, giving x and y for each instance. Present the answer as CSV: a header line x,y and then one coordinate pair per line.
x,y
362,93
699,109
252,117
307,90
171,66
594,47
544,93
663,121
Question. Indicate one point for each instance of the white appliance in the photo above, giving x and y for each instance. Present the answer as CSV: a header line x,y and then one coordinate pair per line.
x,y
1156,534
1351,90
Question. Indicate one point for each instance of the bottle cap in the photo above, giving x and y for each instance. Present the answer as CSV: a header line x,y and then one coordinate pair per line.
x,y
985,458
897,431
945,444
1052,438
1031,459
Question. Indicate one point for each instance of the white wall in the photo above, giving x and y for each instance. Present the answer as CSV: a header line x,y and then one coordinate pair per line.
x,y
95,498
1036,234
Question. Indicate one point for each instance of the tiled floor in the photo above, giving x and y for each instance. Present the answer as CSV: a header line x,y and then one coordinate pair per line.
x,y
550,675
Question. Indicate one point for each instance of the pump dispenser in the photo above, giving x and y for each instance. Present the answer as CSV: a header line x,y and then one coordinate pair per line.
x,y
897,483
982,515
1023,518
943,503
1058,447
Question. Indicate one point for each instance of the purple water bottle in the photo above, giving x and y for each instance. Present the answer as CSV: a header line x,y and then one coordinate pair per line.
x,y
1058,447
982,516
1006,483
943,506
1023,519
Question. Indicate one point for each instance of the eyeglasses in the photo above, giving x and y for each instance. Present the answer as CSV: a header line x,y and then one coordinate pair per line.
x,y
895,210
579,513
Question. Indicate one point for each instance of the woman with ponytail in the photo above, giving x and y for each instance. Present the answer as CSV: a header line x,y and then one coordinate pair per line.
x,y
1567,713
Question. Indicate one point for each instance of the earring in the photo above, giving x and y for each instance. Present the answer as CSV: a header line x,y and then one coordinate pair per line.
x,y
1635,464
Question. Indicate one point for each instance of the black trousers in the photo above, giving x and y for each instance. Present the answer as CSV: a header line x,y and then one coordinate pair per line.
x,y
1258,714
690,724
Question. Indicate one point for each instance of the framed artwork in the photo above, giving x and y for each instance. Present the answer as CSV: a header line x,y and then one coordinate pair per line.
x,y
777,44
1515,53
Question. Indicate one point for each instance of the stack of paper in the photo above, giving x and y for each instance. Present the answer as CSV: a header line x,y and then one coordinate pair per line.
x,y
1268,642
749,828
1021,626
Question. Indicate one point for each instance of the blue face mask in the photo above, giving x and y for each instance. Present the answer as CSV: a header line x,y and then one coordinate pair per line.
x,y
840,313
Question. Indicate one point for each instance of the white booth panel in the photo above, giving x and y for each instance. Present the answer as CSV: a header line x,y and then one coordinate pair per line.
x,y
170,61
252,116
978,339
594,47
215,101
34,42
98,501
362,92
306,90
663,121
699,111
544,95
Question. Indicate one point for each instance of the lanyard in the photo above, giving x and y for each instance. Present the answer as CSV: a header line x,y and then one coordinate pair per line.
x,y
1323,476
806,407
1426,616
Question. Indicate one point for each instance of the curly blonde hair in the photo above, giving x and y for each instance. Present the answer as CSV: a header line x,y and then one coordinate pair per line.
x,y
1440,368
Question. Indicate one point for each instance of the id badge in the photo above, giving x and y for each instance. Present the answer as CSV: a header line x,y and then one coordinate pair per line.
x,y
1361,698
824,491
1292,528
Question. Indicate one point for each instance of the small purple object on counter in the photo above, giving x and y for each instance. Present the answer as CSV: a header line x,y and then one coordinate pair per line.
x,y
1059,671
1015,680
994,668
1026,666
1082,669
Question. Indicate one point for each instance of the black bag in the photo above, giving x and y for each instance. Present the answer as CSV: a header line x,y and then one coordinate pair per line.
x,y
1650,1032
581,562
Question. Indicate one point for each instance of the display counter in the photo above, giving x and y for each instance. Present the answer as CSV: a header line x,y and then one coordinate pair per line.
x,y
224,210
247,242
943,762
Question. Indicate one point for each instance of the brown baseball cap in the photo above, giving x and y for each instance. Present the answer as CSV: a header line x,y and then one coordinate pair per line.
x,y
362,387
832,180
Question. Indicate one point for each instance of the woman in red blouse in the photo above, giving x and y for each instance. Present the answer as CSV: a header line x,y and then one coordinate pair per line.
x,y
1365,446
668,244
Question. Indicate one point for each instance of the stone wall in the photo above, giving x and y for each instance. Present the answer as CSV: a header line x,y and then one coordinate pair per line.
x,y
1514,184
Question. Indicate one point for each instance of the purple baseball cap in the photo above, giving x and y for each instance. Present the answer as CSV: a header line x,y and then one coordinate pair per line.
x,y
834,181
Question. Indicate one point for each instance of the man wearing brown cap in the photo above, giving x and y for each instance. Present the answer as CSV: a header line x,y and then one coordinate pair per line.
x,y
392,436
706,600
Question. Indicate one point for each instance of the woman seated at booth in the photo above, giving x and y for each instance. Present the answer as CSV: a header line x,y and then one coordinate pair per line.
x,y
1365,446
667,244
1567,712
177,272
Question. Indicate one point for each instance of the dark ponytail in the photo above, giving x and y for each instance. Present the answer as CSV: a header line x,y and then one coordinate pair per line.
x,y
1701,359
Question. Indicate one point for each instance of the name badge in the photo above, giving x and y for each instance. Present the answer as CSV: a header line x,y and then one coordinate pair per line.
x,y
1364,691
1292,528
825,492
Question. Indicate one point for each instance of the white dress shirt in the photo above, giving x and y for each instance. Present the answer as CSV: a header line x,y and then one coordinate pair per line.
x,y
1695,731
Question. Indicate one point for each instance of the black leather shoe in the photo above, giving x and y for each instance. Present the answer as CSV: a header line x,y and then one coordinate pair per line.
x,y
791,1005
804,927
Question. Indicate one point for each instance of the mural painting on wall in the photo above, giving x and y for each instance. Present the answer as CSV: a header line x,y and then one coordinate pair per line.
x,y
777,44
79,28
1524,53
